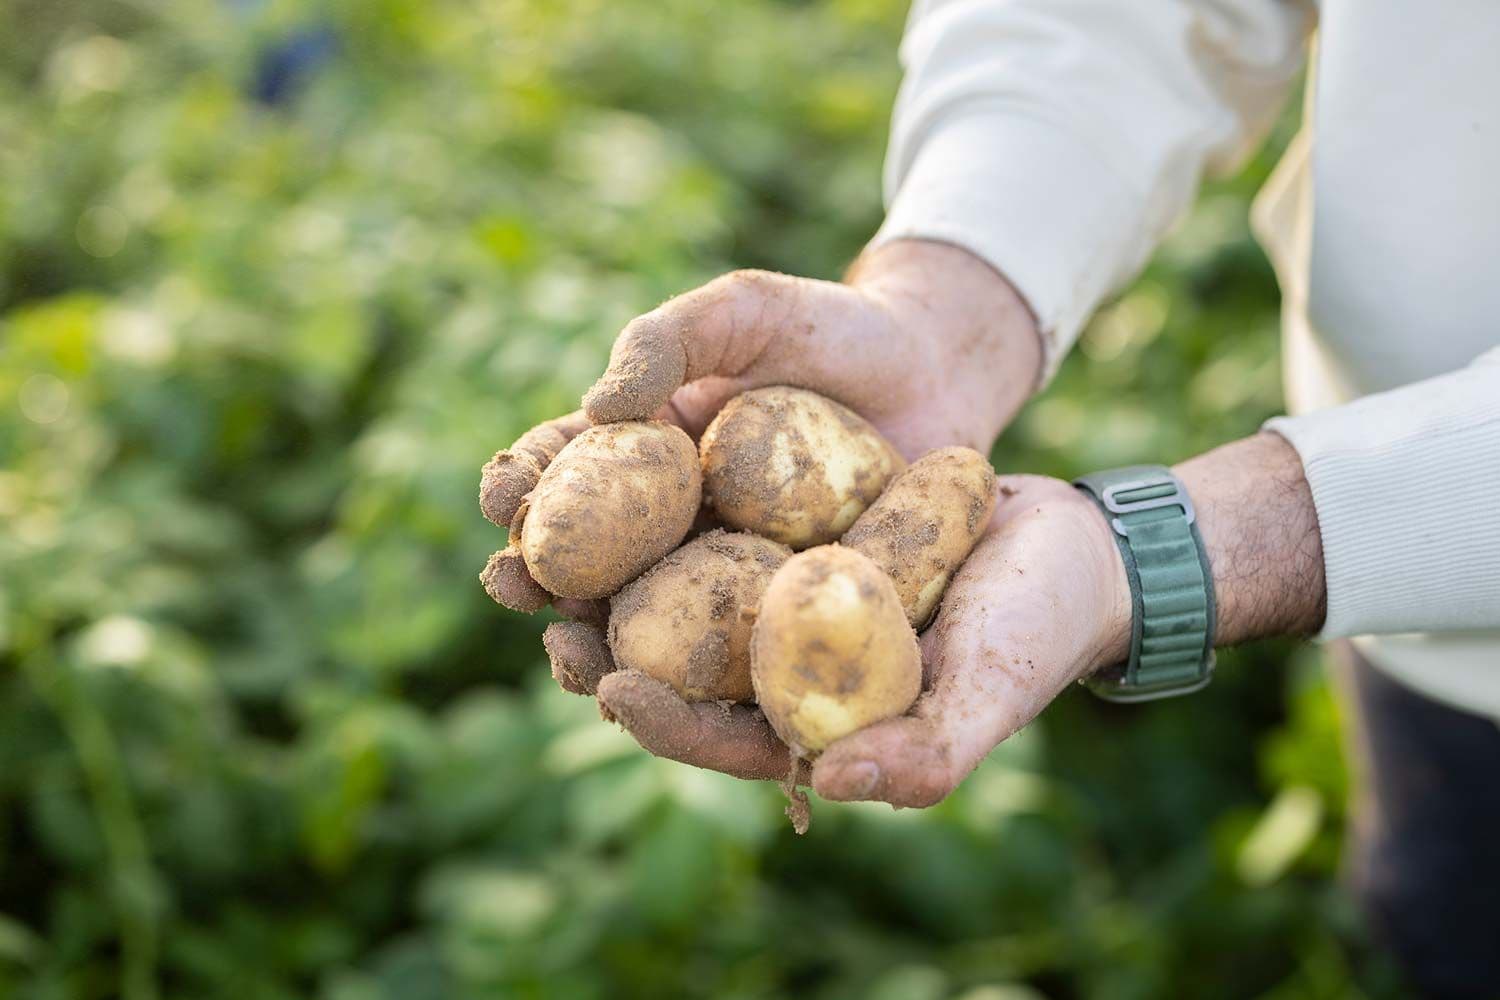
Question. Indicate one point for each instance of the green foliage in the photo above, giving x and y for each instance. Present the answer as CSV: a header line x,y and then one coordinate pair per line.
x,y
261,733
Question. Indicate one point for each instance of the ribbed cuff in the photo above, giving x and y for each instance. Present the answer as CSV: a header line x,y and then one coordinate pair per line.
x,y
1407,489
1031,200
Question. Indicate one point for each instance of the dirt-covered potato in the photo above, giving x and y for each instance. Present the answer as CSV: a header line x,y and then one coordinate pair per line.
x,y
611,503
831,651
685,622
924,524
793,466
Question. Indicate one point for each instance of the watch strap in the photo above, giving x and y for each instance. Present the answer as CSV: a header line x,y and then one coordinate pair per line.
x,y
1171,587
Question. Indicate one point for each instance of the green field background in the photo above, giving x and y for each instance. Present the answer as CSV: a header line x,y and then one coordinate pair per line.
x,y
262,735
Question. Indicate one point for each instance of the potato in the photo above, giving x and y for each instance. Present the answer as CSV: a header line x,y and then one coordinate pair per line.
x,y
831,651
682,622
793,466
924,524
611,503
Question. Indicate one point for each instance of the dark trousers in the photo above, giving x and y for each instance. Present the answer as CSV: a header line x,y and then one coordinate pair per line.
x,y
1424,857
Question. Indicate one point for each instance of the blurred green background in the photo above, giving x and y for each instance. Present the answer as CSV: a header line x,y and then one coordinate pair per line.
x,y
275,279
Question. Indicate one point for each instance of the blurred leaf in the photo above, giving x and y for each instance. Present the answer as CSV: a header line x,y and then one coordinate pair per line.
x,y
17,943
672,868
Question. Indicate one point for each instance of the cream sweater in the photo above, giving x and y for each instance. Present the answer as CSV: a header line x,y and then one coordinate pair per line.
x,y
1059,139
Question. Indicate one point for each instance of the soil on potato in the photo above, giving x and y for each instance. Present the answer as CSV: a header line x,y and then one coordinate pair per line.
x,y
708,662
650,474
747,442
741,475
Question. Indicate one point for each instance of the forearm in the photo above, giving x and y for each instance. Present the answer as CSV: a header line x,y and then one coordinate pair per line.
x,y
1065,180
1375,517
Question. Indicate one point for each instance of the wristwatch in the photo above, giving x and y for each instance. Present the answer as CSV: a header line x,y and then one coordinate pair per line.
x,y
1171,585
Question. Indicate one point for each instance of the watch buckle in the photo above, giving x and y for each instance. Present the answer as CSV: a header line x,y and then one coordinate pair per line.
x,y
1175,497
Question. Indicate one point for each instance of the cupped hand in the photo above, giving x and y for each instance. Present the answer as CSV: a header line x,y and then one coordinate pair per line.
x,y
924,340
1041,602
931,346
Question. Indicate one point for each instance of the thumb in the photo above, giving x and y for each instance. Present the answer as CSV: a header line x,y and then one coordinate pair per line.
x,y
906,761
717,329
916,760
740,331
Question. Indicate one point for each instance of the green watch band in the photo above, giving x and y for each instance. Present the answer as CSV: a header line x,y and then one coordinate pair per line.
x,y
1171,585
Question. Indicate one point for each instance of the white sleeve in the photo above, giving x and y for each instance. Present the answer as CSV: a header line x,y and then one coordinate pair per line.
x,y
1407,489
1058,139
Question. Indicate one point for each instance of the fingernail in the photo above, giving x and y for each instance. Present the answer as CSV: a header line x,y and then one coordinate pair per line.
x,y
862,778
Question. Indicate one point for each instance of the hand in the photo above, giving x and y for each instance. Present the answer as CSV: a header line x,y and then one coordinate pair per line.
x,y
924,340
1041,602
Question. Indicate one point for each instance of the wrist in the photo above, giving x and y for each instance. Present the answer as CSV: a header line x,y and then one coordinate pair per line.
x,y
1260,531
1257,539
1151,515
988,346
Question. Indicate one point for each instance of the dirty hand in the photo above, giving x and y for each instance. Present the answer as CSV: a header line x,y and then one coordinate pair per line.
x,y
1040,602
924,340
